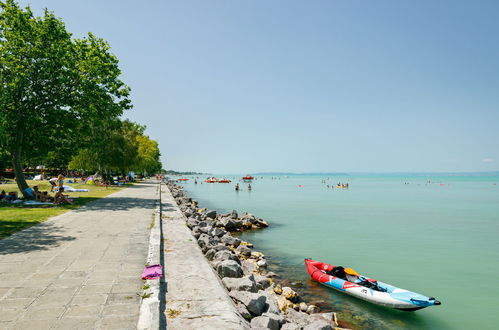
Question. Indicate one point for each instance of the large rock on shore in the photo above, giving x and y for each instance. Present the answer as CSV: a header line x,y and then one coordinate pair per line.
x,y
289,294
243,250
205,241
318,325
230,240
217,232
225,255
271,305
265,322
241,309
262,282
229,224
212,214
254,302
229,268
283,303
301,319
248,267
290,326
246,283
191,223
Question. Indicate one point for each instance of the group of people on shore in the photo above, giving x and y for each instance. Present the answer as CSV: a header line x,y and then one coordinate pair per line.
x,y
57,183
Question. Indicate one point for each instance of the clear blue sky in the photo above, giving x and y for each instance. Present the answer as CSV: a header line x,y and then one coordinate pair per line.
x,y
307,86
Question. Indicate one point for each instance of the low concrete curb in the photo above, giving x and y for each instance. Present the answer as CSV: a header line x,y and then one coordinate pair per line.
x,y
152,305
196,297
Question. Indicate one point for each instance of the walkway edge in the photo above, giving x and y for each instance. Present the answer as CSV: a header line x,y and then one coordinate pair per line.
x,y
150,316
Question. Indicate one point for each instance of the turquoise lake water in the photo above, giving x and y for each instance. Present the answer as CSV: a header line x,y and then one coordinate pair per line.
x,y
439,239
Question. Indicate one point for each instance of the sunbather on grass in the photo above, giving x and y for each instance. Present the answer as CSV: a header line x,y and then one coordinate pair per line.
x,y
61,198
41,196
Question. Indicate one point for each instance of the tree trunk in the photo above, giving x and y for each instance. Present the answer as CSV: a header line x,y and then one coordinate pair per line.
x,y
16,162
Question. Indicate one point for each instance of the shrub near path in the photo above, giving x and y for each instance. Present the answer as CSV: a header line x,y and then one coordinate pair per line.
x,y
17,217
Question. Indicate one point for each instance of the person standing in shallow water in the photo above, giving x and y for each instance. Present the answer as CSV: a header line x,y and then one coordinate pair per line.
x,y
249,186
237,187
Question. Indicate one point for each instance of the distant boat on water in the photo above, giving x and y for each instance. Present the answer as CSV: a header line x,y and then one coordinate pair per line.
x,y
248,177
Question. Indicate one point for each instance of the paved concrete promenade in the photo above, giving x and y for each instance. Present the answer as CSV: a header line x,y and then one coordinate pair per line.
x,y
79,270
195,298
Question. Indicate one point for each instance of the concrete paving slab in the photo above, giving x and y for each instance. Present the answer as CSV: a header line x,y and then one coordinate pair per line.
x,y
69,267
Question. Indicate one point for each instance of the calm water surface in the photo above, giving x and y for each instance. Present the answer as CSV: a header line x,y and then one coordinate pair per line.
x,y
439,239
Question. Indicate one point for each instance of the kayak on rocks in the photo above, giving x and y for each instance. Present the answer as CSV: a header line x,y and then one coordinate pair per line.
x,y
350,282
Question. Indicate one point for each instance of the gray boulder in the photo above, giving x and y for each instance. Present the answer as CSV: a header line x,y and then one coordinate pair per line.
x,y
323,317
210,254
262,282
278,317
206,230
241,309
291,326
262,223
262,263
220,247
212,214
191,223
233,214
195,232
271,305
202,223
217,232
229,224
254,302
243,250
318,325
248,267
264,322
299,318
226,255
229,268
312,309
205,241
230,240
246,283
185,200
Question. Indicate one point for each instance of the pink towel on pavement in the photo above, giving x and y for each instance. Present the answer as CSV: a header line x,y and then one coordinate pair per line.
x,y
152,272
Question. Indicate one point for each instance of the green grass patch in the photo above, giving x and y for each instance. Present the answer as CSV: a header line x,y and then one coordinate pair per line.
x,y
17,217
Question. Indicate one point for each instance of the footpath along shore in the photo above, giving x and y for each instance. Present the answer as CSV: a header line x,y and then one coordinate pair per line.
x,y
229,287
81,269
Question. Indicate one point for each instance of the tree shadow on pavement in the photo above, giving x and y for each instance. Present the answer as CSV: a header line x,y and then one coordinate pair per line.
x,y
43,236
116,203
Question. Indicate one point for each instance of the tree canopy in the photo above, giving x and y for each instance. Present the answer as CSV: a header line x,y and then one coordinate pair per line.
x,y
61,96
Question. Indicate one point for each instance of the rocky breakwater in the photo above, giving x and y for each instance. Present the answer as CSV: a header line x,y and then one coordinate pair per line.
x,y
262,302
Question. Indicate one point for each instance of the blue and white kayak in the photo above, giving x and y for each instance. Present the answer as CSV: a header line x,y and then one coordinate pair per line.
x,y
348,281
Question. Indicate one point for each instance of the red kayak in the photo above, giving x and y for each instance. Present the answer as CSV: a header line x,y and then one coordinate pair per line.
x,y
350,282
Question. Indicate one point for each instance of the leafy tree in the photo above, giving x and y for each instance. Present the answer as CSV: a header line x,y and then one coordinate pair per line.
x,y
55,92
123,149
148,151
